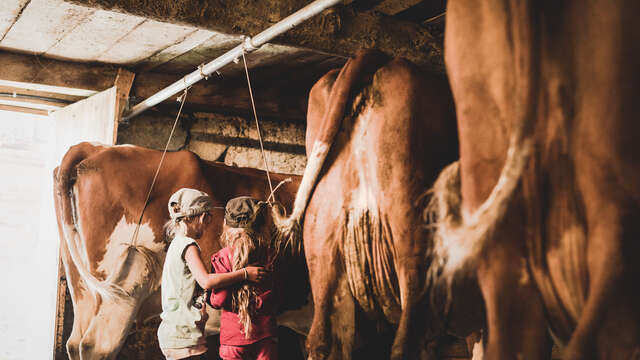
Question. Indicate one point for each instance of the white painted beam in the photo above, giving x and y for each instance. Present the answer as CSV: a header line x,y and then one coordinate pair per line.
x,y
48,88
30,105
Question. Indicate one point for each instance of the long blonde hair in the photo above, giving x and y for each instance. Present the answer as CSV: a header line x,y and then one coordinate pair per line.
x,y
248,248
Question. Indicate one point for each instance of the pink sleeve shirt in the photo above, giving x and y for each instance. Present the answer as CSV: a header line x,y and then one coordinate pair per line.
x,y
263,322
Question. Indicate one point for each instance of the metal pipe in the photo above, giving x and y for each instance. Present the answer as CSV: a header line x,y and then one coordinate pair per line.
x,y
34,97
247,46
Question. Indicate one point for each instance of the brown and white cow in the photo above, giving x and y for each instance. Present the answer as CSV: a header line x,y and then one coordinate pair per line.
x,y
367,165
544,202
113,279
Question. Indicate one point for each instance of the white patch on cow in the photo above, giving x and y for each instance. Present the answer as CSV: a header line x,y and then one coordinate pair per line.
x,y
79,240
365,195
116,250
126,145
471,237
77,251
478,351
309,178
95,286
289,231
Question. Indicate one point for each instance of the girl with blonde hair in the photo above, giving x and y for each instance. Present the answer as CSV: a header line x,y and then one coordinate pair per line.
x,y
247,323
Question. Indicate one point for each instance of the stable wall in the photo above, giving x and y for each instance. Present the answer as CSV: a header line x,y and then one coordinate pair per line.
x,y
229,139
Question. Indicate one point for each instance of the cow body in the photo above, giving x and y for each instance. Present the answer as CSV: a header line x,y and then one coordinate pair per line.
x,y
364,241
113,275
545,97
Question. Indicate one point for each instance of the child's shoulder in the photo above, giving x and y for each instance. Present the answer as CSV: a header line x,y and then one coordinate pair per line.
x,y
180,243
225,252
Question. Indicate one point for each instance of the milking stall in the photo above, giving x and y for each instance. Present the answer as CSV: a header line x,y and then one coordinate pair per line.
x,y
326,179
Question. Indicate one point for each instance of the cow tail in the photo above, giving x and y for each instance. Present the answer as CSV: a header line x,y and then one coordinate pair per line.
x,y
460,238
289,229
67,217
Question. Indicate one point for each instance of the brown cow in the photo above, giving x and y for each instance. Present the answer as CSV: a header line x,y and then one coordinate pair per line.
x,y
114,278
367,165
543,204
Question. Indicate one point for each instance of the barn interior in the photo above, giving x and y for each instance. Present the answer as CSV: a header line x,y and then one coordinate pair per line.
x,y
84,44
55,53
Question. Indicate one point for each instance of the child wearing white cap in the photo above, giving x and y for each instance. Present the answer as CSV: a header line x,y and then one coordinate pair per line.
x,y
181,332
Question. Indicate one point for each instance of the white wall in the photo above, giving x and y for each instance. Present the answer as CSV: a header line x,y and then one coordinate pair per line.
x,y
28,237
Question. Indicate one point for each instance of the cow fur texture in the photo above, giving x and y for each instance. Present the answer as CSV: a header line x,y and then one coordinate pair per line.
x,y
364,240
542,203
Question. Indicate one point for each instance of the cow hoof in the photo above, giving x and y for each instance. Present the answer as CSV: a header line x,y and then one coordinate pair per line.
x,y
73,350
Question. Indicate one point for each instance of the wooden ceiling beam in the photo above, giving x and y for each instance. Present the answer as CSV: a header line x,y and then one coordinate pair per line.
x,y
276,97
21,109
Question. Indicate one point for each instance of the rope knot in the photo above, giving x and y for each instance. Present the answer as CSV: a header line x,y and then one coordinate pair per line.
x,y
204,76
247,45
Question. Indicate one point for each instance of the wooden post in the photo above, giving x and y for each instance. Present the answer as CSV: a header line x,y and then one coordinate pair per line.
x,y
123,83
58,342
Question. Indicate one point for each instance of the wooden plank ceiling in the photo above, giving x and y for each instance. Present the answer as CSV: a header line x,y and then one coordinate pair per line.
x,y
50,34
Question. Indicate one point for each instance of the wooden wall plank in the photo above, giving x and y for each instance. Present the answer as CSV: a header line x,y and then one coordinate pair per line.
x,y
23,110
38,70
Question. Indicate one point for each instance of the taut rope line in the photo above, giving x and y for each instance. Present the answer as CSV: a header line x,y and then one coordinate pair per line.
x,y
255,115
182,99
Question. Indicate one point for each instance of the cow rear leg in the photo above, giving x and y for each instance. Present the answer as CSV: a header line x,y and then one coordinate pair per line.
x,y
83,312
332,333
515,313
73,344
408,343
609,326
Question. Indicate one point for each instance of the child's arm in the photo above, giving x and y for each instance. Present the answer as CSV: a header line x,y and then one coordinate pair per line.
x,y
215,281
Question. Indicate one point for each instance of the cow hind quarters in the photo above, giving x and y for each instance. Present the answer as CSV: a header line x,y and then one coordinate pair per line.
x,y
367,247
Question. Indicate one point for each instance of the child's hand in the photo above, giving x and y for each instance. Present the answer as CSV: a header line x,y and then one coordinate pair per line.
x,y
255,273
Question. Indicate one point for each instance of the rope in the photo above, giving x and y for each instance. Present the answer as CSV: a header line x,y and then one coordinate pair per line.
x,y
182,99
255,115
287,180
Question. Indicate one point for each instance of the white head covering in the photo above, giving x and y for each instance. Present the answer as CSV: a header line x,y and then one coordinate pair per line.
x,y
188,202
